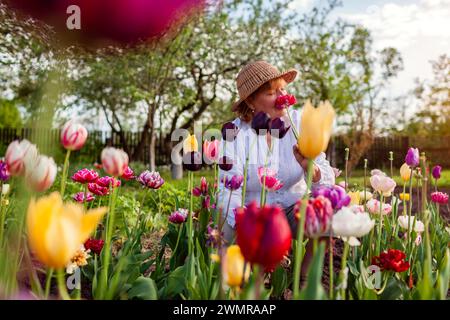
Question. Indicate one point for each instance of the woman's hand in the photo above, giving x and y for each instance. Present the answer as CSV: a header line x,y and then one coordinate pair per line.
x,y
304,164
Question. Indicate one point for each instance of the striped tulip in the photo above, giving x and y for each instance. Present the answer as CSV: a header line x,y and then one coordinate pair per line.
x,y
41,175
19,155
115,161
73,136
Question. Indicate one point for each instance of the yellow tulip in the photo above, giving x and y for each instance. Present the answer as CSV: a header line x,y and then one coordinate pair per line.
x,y
233,267
190,144
404,196
315,131
355,197
56,230
405,172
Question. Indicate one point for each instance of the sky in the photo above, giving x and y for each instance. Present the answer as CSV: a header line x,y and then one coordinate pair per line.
x,y
419,29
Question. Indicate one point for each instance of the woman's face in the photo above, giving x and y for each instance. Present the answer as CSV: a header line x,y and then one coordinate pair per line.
x,y
264,100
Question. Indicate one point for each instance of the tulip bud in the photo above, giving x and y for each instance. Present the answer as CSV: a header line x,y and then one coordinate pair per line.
x,y
19,155
73,136
115,161
405,172
315,131
412,157
42,174
79,197
436,172
229,131
211,151
192,161
318,216
261,123
234,182
233,267
190,144
263,234
225,163
278,128
4,172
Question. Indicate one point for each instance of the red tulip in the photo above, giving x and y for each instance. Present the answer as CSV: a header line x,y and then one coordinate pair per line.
x,y
263,234
118,20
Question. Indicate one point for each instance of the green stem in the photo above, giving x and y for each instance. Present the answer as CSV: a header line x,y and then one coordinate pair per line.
x,y
343,267
294,129
300,233
347,150
64,174
365,183
62,284
48,281
410,207
380,224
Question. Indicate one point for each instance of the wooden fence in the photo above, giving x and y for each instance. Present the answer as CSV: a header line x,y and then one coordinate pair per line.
x,y
437,148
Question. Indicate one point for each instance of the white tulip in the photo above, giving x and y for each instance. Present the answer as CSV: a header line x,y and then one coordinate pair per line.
x,y
351,224
19,155
403,222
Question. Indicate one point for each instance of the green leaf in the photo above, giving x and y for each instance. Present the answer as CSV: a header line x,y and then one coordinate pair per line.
x,y
314,289
143,289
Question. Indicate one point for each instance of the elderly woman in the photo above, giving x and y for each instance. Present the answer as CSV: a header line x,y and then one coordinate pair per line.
x,y
259,85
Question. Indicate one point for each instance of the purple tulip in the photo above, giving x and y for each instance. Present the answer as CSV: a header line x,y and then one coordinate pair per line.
x,y
192,161
412,157
436,172
151,179
213,237
278,128
261,123
336,194
225,163
229,131
4,172
179,216
234,182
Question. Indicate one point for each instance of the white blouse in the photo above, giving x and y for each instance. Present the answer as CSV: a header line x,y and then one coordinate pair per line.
x,y
280,158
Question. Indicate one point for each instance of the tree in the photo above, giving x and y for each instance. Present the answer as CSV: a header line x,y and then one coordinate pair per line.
x,y
9,115
433,117
337,63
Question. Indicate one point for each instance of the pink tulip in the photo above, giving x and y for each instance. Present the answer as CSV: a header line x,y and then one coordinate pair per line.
x,y
19,155
271,182
73,136
179,216
439,197
79,197
382,184
115,161
128,174
211,151
97,189
42,174
85,176
373,206
108,181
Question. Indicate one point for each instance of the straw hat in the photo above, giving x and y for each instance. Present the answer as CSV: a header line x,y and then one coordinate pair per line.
x,y
254,75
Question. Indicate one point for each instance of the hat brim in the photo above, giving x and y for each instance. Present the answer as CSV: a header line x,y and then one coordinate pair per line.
x,y
288,76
